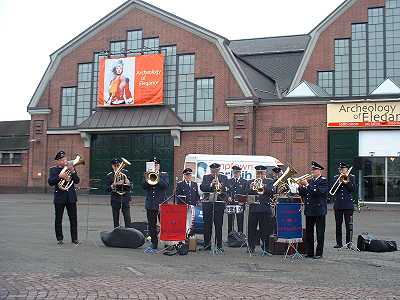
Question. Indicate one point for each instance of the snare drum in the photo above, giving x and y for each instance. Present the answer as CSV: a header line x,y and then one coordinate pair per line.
x,y
230,209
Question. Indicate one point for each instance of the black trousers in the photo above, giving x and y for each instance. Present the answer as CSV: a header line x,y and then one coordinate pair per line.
x,y
239,219
209,218
264,221
116,207
319,223
152,215
73,220
348,220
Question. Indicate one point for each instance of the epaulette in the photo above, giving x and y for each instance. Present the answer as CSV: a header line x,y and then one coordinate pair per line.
x,y
163,172
124,170
110,173
322,177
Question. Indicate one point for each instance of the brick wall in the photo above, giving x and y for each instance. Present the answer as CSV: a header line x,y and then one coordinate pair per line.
x,y
14,178
294,134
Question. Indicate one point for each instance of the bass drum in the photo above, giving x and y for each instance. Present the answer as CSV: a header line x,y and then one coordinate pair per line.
x,y
195,215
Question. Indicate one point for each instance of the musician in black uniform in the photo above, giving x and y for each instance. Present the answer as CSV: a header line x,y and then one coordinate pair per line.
x,y
120,193
236,186
344,206
64,199
213,205
187,188
155,194
260,212
314,193
276,173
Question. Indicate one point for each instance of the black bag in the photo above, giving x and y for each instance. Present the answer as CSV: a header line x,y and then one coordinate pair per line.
x,y
179,249
236,239
367,242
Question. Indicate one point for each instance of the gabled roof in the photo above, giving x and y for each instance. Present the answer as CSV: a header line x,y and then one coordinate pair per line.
x,y
276,44
148,117
314,36
218,40
387,87
14,135
307,89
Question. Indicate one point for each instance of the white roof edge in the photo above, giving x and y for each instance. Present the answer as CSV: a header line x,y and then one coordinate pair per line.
x,y
105,21
314,34
388,79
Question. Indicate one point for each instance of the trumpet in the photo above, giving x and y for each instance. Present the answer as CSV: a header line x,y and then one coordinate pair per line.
x,y
119,176
257,186
343,178
298,180
217,185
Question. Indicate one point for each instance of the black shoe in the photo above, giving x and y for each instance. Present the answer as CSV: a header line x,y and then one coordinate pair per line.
x,y
60,242
337,246
250,251
220,249
309,256
317,256
76,242
206,248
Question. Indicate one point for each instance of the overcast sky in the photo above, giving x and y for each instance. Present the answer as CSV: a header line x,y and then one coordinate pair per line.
x,y
31,30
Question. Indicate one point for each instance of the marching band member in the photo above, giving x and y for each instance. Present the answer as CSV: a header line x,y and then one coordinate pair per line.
x,y
187,188
276,173
260,213
155,194
343,205
236,186
119,193
314,193
64,199
214,187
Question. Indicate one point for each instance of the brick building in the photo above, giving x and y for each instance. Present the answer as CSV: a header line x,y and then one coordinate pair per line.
x,y
279,96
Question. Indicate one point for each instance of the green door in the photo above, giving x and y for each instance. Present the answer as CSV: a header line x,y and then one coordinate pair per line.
x,y
137,148
343,146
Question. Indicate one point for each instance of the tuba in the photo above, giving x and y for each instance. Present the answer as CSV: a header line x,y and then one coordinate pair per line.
x,y
343,178
152,177
257,186
120,176
65,184
281,184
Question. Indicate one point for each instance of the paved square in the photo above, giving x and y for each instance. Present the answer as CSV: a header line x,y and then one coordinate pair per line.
x,y
32,266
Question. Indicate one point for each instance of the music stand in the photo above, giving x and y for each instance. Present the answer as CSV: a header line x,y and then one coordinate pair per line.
x,y
350,245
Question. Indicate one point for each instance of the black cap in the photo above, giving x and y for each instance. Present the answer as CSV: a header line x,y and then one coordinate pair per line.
x,y
316,166
156,160
215,166
115,161
59,155
276,170
236,168
187,171
343,165
260,168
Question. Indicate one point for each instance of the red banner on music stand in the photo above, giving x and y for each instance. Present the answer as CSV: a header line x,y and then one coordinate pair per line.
x,y
173,222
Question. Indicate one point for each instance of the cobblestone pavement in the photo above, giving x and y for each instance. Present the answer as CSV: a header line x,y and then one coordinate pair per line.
x,y
32,266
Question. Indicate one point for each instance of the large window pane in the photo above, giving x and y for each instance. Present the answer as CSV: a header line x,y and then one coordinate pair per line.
x,y
373,179
151,45
325,81
186,88
392,20
68,100
117,48
83,101
204,99
169,74
134,42
375,48
359,59
342,67
393,179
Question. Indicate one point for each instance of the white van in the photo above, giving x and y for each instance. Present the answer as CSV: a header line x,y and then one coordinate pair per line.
x,y
200,163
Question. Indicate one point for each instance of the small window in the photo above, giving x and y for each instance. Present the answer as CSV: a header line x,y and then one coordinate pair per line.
x,y
5,158
17,159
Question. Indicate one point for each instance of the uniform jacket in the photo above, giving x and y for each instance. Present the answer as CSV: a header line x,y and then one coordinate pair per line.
x,y
191,192
315,197
237,187
264,200
115,198
207,189
156,194
61,196
343,197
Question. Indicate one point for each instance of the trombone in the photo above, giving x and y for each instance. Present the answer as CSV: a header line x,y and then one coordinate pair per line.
x,y
343,178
